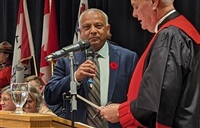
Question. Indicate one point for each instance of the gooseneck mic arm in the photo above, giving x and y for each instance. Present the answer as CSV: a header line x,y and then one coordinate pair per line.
x,y
80,46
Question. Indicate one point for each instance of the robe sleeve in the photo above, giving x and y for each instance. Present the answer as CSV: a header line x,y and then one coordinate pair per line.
x,y
125,116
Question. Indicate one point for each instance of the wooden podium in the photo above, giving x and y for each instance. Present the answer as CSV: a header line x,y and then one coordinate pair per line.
x,y
33,120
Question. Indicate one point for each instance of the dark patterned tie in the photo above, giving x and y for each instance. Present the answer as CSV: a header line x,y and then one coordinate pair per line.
x,y
94,96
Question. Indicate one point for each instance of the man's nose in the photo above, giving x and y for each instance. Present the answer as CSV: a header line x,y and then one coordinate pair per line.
x,y
134,14
93,29
2,102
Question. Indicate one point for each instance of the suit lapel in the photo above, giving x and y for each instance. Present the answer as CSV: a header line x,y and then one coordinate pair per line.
x,y
114,57
79,58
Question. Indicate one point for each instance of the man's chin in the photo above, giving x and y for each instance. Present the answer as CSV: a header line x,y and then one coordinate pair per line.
x,y
144,28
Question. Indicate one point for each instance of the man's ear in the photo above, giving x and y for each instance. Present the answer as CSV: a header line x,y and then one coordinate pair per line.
x,y
108,31
155,4
79,30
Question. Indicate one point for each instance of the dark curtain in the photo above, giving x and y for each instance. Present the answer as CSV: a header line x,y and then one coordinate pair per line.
x,y
126,30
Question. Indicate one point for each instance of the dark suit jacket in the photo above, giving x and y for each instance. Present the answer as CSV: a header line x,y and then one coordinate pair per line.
x,y
118,82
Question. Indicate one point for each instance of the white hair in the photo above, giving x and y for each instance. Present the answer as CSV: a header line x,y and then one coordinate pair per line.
x,y
94,10
167,2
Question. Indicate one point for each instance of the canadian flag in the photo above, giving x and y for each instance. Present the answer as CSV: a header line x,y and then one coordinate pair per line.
x,y
23,47
82,7
49,39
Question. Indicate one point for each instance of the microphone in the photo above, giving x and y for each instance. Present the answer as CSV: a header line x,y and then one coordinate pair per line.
x,y
80,46
90,56
90,53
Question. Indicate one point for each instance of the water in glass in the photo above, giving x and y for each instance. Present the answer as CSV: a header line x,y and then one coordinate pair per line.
x,y
19,95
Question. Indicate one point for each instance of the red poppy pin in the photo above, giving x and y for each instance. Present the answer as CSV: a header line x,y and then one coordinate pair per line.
x,y
113,65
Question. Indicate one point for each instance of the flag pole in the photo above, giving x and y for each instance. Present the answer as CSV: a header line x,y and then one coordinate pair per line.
x,y
52,66
30,35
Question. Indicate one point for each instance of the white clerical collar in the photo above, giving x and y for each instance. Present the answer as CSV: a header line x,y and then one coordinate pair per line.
x,y
162,19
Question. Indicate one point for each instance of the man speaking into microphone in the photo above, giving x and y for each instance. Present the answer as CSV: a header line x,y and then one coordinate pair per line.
x,y
110,70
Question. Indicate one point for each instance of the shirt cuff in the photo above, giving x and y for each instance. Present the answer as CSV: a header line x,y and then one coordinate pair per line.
x,y
77,83
125,116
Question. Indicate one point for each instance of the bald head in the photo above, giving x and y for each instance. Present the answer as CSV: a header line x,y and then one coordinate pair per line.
x,y
94,27
93,10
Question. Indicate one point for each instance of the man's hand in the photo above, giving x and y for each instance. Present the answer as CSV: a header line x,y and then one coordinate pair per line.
x,y
110,113
86,69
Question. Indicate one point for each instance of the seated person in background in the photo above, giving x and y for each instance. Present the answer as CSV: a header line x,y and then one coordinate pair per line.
x,y
5,63
6,100
39,85
35,103
36,82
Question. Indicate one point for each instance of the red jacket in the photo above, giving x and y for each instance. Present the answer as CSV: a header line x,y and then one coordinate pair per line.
x,y
5,76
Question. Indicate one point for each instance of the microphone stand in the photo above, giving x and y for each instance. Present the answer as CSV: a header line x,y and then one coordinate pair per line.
x,y
73,90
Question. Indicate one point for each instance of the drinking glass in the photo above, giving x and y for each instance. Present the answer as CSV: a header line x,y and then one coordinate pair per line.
x,y
19,95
